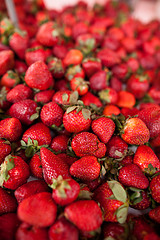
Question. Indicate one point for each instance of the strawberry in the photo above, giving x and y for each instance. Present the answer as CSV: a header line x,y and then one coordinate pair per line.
x,y
132,176
4,104
148,113
80,85
146,159
18,42
47,34
63,230
86,168
9,224
65,191
25,110
73,56
58,97
104,128
51,114
56,67
155,188
18,93
89,99
20,66
88,211
14,172
59,143
53,166
6,61
38,76
115,231
74,71
76,121
59,51
99,80
35,54
86,143
116,84
108,95
26,232
140,200
155,142
10,79
111,109
8,202
154,127
135,132
36,166
5,149
11,129
113,199
154,214
67,158
38,210
129,112
91,66
30,188
108,57
44,96
116,147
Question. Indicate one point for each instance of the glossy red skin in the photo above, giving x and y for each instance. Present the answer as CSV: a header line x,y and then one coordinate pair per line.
x,y
8,202
9,82
36,166
89,98
19,92
98,80
154,93
137,87
60,143
116,143
58,96
44,96
5,149
6,61
109,95
154,127
155,188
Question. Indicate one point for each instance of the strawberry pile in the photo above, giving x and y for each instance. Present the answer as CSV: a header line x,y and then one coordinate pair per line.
x,y
79,124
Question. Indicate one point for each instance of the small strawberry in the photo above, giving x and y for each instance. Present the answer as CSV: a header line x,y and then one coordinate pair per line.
x,y
56,67
8,202
18,93
8,227
14,172
74,71
65,191
5,149
47,34
25,110
132,176
154,214
90,99
116,147
38,210
87,144
30,188
135,132
11,129
88,211
140,200
38,76
111,109
36,166
155,188
146,159
44,96
113,199
4,104
86,168
104,128
10,79
51,114
59,143
26,232
53,166
63,230
6,61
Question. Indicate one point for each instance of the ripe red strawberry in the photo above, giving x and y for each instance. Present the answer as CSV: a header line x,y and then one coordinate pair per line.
x,y
59,51
20,66
10,79
38,76
104,128
36,166
146,159
113,199
76,121
38,210
99,80
53,166
11,129
47,34
135,132
154,127
155,142
18,42
8,227
86,168
132,176
56,67
86,143
6,61
154,214
140,201
91,66
148,113
89,99
60,143
73,56
108,95
44,96
35,54
19,92
4,104
116,147
80,85
155,188
58,97
51,114
30,188
5,149
8,202
129,112
88,211
28,232
65,191
75,71
108,57
63,230
14,172
25,110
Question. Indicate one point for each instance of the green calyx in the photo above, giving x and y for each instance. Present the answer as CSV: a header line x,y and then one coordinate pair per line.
x,y
5,167
60,185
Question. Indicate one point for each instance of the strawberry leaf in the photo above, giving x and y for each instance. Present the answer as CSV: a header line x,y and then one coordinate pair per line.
x,y
86,113
118,191
6,166
71,109
74,97
84,194
121,214
65,97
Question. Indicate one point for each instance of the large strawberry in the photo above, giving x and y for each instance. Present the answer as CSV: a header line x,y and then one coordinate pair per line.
x,y
104,128
8,202
19,92
11,129
14,172
6,61
146,159
87,211
38,210
86,143
53,166
38,76
87,168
